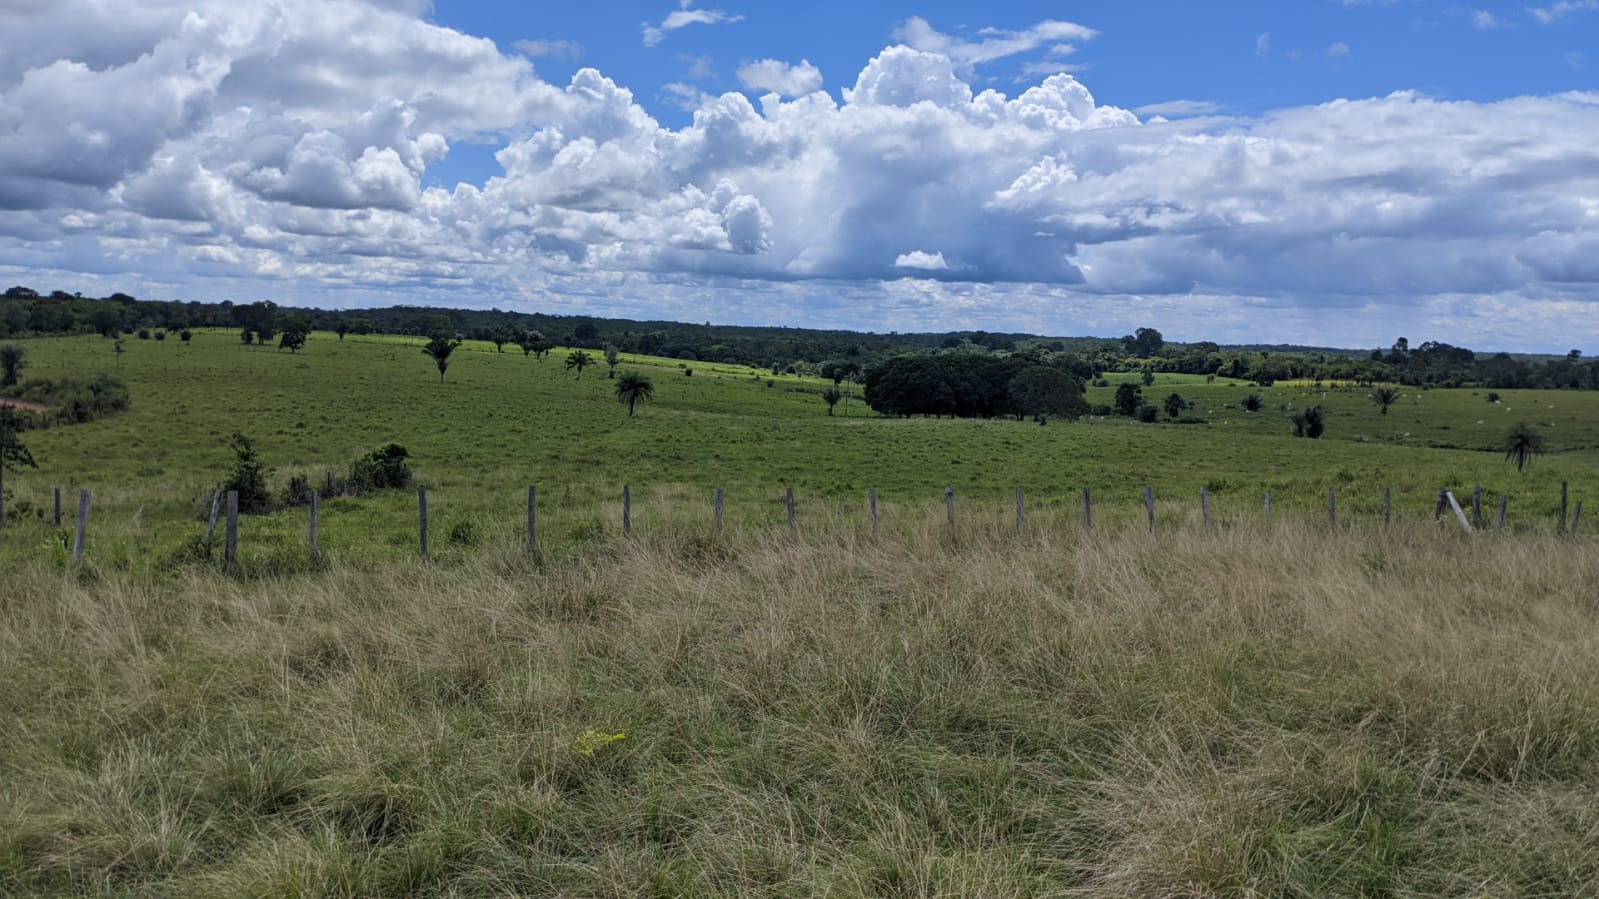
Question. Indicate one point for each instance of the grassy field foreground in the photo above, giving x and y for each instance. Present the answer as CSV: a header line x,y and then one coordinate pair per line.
x,y
1293,712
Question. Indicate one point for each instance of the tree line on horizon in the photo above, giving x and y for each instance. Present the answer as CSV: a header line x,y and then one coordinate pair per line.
x,y
25,312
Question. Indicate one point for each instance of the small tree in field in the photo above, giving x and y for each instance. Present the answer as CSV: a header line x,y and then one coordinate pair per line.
x,y
1174,405
579,360
439,349
12,453
1385,397
1252,403
249,476
611,359
831,396
13,359
632,388
1521,444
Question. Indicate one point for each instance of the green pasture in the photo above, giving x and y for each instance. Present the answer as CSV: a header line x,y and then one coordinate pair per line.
x,y
502,421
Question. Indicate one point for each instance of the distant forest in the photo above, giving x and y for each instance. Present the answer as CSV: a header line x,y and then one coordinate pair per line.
x,y
25,312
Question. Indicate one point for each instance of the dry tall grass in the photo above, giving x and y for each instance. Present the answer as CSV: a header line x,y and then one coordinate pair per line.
x,y
1292,712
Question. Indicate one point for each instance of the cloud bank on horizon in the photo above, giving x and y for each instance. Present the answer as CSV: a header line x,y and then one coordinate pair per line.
x,y
281,149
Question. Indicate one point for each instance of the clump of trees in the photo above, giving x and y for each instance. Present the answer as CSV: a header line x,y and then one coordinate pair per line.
x,y
382,469
74,401
971,385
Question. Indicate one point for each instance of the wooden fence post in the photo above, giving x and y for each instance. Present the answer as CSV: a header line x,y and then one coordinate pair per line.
x,y
422,519
211,523
1576,516
1204,506
1020,514
1387,505
627,509
58,507
532,519
83,525
949,505
230,548
1503,502
1268,507
1476,505
313,524
874,511
1443,503
1332,506
1088,510
788,501
719,501
1149,507
1563,507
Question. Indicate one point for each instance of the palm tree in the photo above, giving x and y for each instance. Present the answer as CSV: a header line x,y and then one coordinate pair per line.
x,y
440,349
1521,444
1385,397
632,387
579,360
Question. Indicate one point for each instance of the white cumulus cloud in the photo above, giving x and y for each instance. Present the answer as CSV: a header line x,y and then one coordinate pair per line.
x,y
778,77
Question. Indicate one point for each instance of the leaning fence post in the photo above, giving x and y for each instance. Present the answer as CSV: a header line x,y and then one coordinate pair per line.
x,y
1020,514
949,505
1204,506
719,510
313,524
1459,512
83,525
627,509
1149,507
788,502
1088,509
874,511
211,523
1576,516
58,507
230,548
422,519
1332,506
1503,502
532,519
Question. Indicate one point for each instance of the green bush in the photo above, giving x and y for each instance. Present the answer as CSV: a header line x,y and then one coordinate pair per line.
x,y
382,470
249,476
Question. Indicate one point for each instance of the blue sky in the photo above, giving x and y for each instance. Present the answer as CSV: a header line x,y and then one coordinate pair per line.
x,y
1334,172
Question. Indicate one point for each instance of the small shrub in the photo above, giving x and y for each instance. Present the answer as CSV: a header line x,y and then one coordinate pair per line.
x,y
144,333
160,335
184,335
1493,397
249,476
298,493
464,532
384,469
1252,403
1146,413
